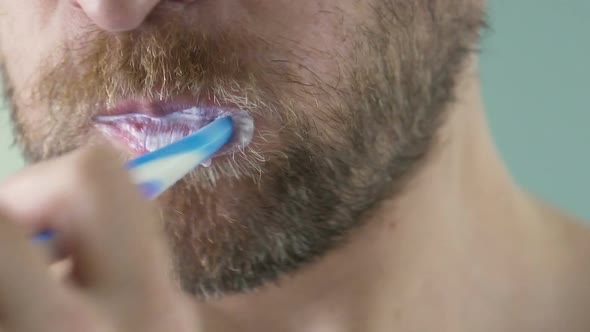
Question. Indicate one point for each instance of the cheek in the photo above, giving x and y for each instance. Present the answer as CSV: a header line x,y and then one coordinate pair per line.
x,y
28,34
318,38
28,37
316,33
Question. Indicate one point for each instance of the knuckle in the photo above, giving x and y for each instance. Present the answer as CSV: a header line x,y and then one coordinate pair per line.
x,y
98,184
77,321
88,166
76,317
64,315
178,317
95,170
77,324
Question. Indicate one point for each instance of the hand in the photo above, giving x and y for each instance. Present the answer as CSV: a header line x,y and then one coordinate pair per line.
x,y
120,277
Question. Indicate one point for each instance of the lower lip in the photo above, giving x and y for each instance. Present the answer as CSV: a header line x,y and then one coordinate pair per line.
x,y
141,133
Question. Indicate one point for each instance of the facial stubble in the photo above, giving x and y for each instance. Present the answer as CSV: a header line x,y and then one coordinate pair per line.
x,y
268,212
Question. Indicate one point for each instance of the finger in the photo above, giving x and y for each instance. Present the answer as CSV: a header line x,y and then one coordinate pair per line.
x,y
29,299
61,270
103,222
23,277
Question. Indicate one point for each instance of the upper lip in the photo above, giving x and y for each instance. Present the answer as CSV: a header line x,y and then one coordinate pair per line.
x,y
153,109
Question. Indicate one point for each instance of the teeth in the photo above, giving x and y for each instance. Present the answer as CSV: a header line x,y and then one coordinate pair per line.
x,y
153,142
150,133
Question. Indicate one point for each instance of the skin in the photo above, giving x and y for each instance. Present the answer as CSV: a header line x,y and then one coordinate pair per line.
x,y
448,243
347,99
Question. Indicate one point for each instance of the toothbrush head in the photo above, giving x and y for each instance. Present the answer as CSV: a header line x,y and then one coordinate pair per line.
x,y
159,170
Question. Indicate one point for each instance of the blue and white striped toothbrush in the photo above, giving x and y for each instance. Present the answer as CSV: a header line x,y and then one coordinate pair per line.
x,y
159,170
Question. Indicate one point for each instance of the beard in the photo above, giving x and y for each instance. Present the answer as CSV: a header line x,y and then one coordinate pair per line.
x,y
323,157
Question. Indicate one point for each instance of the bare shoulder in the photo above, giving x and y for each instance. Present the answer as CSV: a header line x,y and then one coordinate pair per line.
x,y
565,223
568,255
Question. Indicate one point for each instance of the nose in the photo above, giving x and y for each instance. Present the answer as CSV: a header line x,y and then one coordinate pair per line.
x,y
117,15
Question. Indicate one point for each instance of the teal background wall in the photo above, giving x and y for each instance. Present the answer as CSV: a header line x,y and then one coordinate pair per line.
x,y
536,80
536,76
9,158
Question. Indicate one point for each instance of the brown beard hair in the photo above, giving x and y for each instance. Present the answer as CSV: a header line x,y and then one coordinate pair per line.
x,y
332,164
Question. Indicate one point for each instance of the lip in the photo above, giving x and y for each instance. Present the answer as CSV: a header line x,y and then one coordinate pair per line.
x,y
158,109
143,127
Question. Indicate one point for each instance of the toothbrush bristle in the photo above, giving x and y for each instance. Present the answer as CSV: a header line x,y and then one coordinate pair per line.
x,y
171,163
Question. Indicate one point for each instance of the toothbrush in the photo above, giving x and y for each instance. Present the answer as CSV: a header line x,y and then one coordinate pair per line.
x,y
159,170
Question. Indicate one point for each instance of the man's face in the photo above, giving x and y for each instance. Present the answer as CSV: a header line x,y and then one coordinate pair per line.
x,y
346,97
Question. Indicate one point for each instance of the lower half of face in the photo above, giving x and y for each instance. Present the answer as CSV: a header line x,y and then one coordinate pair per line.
x,y
342,118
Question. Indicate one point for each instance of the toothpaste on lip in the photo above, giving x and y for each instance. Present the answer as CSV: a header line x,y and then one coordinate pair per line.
x,y
145,134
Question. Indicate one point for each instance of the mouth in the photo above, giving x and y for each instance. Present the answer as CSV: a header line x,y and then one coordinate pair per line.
x,y
146,127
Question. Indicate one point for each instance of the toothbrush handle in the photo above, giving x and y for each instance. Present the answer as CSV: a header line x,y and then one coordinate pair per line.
x,y
152,172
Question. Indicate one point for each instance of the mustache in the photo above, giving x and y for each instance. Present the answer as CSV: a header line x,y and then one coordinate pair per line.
x,y
161,62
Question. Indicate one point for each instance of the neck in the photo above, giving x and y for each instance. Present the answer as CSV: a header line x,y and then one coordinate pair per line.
x,y
463,249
